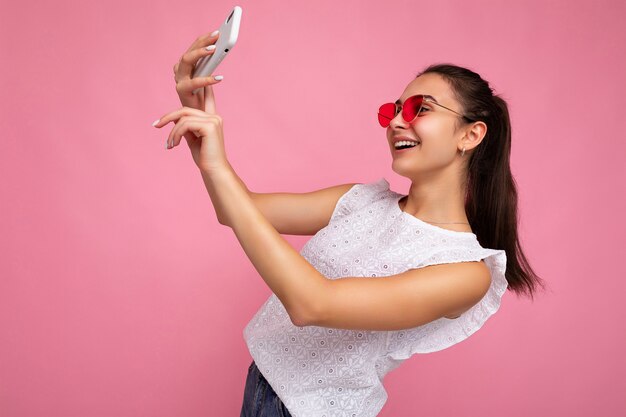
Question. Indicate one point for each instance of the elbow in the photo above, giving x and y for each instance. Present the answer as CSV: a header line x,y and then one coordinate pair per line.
x,y
309,316
302,318
308,311
297,321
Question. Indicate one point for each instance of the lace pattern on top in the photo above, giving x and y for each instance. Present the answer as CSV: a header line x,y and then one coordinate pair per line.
x,y
325,372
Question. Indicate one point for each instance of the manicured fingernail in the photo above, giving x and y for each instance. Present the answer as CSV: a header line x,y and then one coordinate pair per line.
x,y
167,145
218,77
155,122
215,33
210,47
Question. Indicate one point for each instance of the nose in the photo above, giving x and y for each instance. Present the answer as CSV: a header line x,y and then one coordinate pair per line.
x,y
398,121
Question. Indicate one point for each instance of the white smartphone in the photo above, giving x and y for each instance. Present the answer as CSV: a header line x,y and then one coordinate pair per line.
x,y
225,42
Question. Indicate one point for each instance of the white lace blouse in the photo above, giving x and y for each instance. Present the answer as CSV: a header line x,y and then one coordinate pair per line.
x,y
327,372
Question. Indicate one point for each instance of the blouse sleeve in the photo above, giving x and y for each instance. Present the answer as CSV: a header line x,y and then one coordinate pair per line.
x,y
360,195
443,333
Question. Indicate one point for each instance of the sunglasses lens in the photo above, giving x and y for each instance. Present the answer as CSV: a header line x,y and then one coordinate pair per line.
x,y
411,106
386,112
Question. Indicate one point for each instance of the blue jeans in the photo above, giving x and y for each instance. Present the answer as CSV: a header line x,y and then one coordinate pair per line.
x,y
259,399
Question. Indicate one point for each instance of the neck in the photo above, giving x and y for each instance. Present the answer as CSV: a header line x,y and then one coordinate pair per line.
x,y
437,200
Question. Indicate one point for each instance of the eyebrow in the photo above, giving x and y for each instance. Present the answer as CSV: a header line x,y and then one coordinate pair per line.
x,y
425,95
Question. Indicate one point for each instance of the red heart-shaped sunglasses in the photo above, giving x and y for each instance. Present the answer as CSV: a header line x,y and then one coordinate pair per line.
x,y
411,108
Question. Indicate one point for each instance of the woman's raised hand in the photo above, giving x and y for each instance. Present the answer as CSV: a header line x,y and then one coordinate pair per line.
x,y
183,71
203,130
197,121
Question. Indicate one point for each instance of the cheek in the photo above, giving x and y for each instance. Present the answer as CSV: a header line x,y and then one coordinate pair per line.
x,y
436,139
429,131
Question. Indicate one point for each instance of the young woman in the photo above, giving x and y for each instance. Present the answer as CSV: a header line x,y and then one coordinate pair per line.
x,y
386,275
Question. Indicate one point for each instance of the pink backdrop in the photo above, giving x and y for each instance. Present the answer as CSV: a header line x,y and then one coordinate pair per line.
x,y
120,293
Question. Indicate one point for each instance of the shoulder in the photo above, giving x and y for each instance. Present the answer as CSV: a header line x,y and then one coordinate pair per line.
x,y
359,195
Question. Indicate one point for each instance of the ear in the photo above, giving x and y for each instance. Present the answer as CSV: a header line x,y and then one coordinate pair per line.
x,y
474,134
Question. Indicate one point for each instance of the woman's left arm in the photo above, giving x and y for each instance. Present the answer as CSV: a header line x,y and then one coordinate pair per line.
x,y
297,284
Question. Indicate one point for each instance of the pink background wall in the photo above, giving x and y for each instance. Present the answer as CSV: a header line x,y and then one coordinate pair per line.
x,y
120,293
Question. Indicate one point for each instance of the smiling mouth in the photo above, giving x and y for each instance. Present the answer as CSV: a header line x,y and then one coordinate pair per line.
x,y
405,145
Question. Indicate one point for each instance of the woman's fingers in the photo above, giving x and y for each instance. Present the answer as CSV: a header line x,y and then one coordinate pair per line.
x,y
177,114
203,40
183,69
209,100
188,124
188,85
183,118
185,65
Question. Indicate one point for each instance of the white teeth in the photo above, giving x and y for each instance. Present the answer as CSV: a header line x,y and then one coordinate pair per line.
x,y
404,142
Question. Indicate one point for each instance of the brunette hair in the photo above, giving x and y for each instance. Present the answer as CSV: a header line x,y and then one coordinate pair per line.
x,y
491,198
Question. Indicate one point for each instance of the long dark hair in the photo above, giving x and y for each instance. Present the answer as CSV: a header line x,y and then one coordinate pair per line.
x,y
491,198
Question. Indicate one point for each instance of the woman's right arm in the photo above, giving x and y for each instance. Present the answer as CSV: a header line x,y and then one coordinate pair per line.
x,y
299,213
289,213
